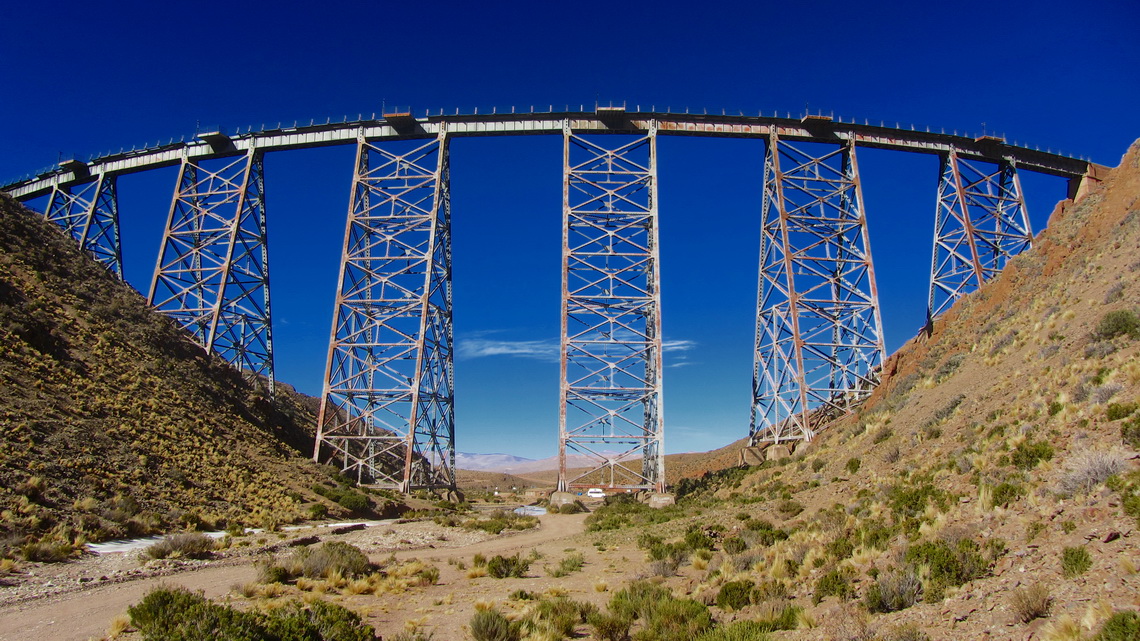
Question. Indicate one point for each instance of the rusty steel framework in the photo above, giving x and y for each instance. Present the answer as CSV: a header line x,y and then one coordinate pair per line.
x,y
980,224
387,411
89,212
212,275
611,313
819,342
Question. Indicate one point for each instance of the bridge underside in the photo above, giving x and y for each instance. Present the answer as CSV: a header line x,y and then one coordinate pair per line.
x,y
387,410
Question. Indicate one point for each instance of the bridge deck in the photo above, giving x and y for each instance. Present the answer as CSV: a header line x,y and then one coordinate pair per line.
x,y
612,121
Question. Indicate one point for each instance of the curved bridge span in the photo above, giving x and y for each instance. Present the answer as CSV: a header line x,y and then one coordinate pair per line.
x,y
387,408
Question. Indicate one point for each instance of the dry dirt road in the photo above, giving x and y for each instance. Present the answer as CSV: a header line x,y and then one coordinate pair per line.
x,y
86,614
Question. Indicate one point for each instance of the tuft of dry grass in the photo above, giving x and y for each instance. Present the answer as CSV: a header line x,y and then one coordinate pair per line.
x,y
1087,469
1033,602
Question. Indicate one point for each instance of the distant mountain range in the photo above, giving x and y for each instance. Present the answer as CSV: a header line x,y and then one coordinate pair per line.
x,y
517,464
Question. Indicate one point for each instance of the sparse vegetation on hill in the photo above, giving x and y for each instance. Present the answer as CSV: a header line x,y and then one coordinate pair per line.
x,y
114,423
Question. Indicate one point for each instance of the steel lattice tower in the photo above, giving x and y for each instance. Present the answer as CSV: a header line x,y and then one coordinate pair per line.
x,y
611,313
212,275
818,339
90,213
980,223
387,412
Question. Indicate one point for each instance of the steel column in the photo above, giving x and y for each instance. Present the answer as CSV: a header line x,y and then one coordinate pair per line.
x,y
611,400
90,213
212,275
387,411
980,223
819,342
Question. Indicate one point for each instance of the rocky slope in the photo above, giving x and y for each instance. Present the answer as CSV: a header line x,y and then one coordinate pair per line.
x,y
113,422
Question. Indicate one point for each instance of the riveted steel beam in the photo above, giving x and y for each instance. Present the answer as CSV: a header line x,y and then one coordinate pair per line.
x,y
980,224
819,342
212,275
611,395
387,411
89,212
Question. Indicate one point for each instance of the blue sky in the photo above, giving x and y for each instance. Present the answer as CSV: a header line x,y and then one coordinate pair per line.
x,y
84,78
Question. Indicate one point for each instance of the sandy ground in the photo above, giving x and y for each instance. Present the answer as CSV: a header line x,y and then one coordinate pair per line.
x,y
77,601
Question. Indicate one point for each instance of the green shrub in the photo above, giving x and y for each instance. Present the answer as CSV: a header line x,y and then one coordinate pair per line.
x,y
853,465
1130,432
1055,407
1118,323
1075,562
491,625
737,631
562,615
177,614
190,545
675,620
789,508
1005,493
817,465
735,595
1029,453
950,565
327,559
696,538
638,598
571,508
502,567
568,565
610,627
835,583
912,501
1121,626
1117,411
48,551
318,511
735,545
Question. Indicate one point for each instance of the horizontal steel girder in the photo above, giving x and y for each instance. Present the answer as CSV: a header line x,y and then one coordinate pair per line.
x,y
90,214
387,411
611,314
637,123
819,342
980,224
212,275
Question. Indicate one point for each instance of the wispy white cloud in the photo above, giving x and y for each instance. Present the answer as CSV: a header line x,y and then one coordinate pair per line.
x,y
680,364
481,344
543,350
678,346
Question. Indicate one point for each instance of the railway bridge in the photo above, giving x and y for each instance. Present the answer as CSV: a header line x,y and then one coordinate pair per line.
x,y
387,413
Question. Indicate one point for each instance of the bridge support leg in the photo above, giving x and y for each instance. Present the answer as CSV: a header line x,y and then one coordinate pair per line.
x,y
212,275
819,342
90,213
387,412
611,402
980,224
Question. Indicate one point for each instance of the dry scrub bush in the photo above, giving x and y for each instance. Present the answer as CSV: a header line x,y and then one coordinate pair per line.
x,y
1031,603
1085,470
190,545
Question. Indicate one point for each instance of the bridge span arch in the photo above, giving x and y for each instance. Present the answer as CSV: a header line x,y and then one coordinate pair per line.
x,y
387,412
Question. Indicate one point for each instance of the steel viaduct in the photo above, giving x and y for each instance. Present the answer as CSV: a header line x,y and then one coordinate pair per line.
x,y
387,412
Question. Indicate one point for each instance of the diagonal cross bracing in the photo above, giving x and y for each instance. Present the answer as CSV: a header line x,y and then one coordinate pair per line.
x,y
212,275
980,224
818,338
387,412
90,214
611,313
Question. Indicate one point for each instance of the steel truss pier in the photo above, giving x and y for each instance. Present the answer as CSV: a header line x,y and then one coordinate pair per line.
x,y
980,224
818,331
89,212
387,412
611,313
212,275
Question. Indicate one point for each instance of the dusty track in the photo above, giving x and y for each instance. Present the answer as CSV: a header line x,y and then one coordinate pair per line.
x,y
86,614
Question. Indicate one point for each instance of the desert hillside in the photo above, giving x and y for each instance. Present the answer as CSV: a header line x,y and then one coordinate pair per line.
x,y
113,422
